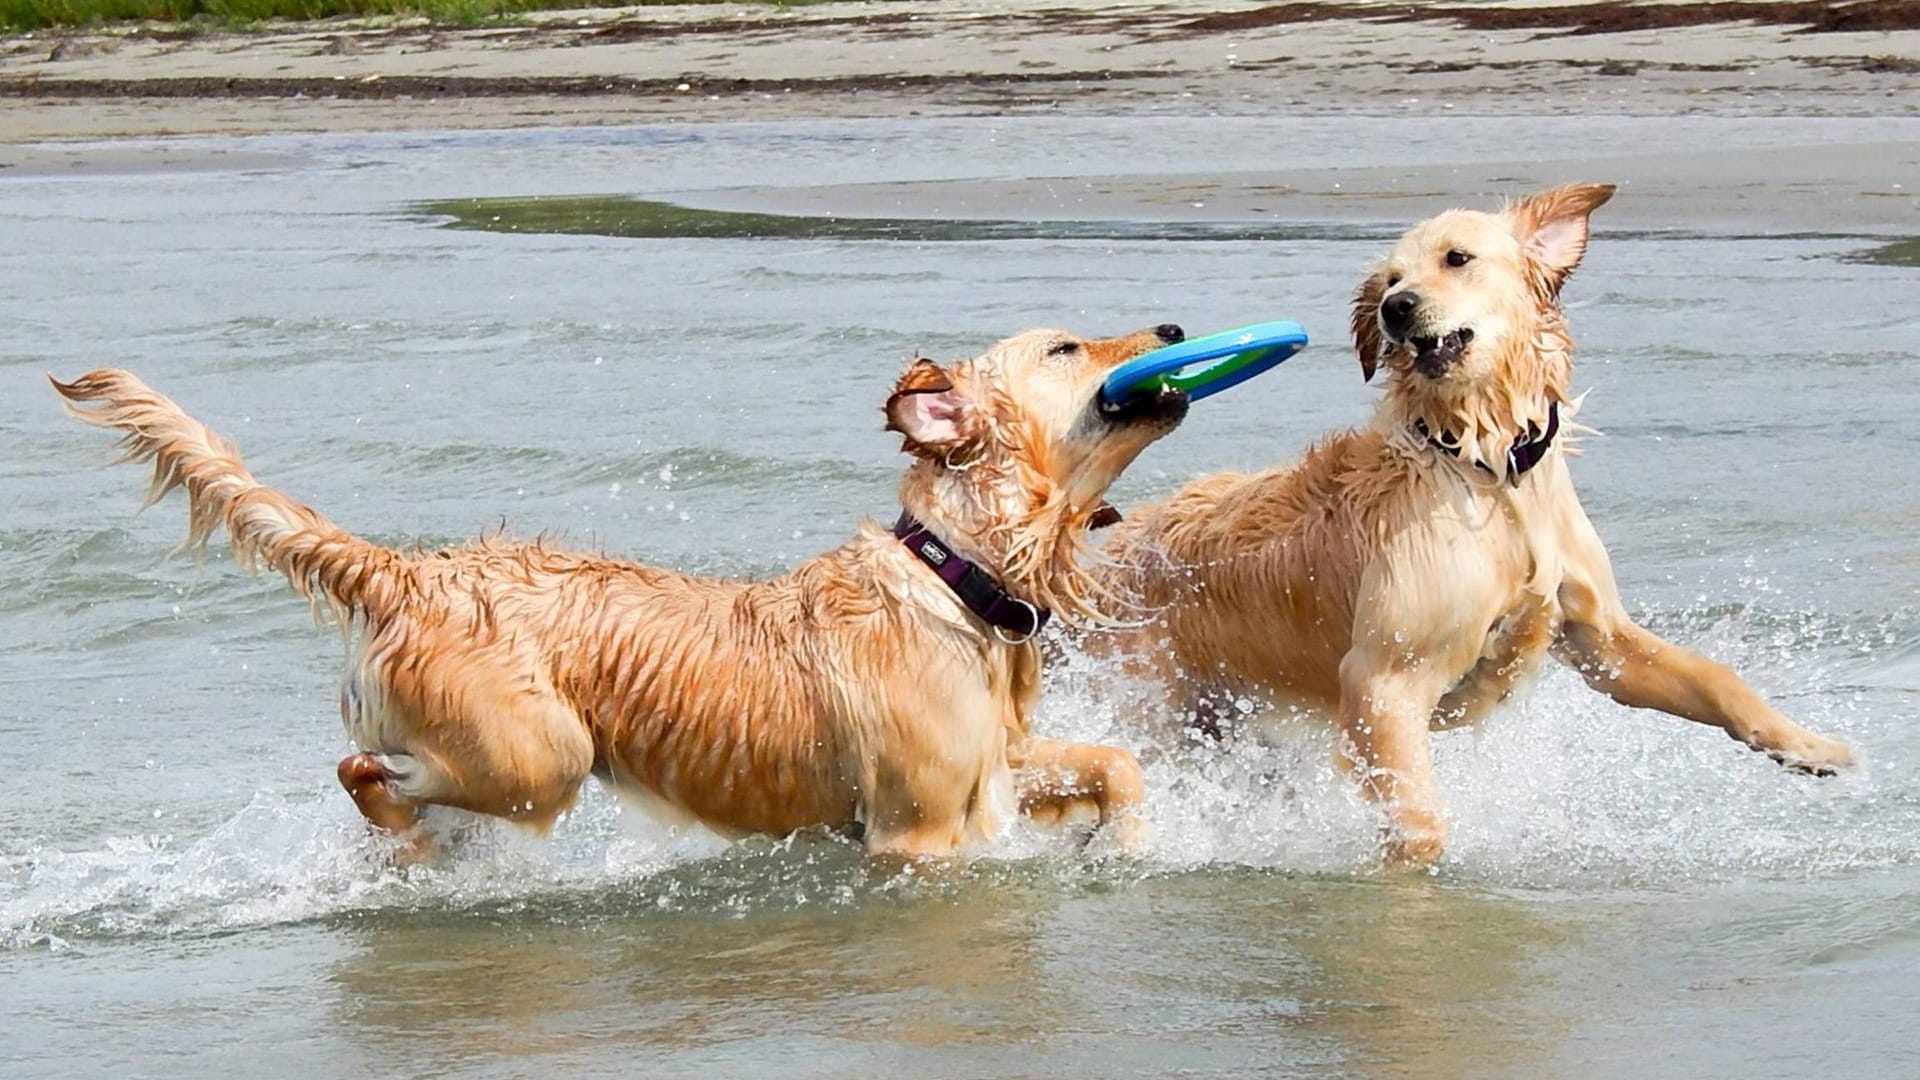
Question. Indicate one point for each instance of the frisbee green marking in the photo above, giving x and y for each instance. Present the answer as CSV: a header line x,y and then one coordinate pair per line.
x,y
1205,366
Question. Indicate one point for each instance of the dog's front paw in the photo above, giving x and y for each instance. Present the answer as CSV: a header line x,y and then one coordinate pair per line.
x,y
1126,833
1415,839
1815,755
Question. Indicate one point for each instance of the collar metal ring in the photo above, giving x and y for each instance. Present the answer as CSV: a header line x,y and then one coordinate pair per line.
x,y
1032,612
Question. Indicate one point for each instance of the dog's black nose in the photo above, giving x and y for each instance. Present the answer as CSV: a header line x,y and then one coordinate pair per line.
x,y
1170,333
1396,311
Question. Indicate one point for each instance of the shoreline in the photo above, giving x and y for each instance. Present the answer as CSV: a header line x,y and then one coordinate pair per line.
x,y
919,57
1859,190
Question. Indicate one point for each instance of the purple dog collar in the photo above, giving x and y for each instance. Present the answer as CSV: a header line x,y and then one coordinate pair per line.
x,y
975,587
1527,450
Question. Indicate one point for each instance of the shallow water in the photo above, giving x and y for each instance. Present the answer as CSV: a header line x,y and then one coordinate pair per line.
x,y
183,888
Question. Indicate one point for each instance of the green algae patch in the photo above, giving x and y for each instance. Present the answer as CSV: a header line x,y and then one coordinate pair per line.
x,y
1899,253
645,219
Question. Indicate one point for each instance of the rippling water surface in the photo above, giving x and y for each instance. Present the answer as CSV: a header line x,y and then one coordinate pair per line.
x,y
184,889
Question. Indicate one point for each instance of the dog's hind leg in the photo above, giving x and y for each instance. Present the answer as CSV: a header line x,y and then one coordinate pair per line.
x,y
367,780
476,734
372,787
1056,778
526,764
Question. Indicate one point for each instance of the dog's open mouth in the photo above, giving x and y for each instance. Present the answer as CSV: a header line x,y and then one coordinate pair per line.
x,y
1163,405
1432,356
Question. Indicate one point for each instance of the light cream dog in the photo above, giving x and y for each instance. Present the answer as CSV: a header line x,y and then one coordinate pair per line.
x,y
1408,577
858,692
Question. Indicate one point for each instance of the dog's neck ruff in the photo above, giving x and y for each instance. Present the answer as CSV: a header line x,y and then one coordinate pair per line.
x,y
1529,448
1006,613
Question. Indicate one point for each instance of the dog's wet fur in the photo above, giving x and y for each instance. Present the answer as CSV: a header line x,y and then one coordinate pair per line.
x,y
855,693
1403,578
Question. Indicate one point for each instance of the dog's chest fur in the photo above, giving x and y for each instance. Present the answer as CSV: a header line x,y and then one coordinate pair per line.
x,y
1505,612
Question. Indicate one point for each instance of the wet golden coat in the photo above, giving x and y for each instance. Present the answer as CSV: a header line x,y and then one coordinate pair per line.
x,y
855,692
1398,587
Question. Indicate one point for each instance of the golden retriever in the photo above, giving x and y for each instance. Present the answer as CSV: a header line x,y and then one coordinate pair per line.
x,y
859,692
1409,577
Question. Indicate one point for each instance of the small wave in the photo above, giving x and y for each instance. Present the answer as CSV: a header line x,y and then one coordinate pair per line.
x,y
1563,788
283,860
1893,665
679,469
251,343
277,860
413,257
61,569
772,275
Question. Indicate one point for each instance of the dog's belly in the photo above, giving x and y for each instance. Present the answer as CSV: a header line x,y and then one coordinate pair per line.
x,y
747,767
1218,655
1253,683
644,803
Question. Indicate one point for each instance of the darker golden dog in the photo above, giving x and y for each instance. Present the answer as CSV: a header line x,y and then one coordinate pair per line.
x,y
1409,577
859,692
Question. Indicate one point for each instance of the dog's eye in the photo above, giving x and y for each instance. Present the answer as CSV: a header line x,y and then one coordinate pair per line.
x,y
1064,348
1457,258
1392,280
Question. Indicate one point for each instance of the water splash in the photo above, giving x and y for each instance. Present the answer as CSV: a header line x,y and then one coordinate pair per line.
x,y
1561,790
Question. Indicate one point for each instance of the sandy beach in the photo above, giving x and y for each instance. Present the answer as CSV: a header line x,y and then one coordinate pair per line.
x,y
918,57
1859,189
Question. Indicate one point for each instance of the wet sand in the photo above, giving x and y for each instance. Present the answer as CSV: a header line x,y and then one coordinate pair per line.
x,y
1867,188
719,62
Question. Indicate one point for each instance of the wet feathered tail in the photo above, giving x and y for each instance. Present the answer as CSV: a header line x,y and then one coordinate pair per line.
x,y
325,563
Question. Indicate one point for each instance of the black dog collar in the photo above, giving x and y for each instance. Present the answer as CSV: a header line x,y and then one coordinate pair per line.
x,y
975,587
1526,451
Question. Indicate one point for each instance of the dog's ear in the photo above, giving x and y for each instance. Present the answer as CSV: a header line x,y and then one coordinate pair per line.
x,y
927,409
1552,227
1366,324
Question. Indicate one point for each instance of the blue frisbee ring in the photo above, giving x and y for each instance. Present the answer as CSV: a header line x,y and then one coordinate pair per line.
x,y
1205,366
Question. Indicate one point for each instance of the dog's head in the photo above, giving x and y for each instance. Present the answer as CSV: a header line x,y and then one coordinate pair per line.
x,y
1016,450
1468,303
